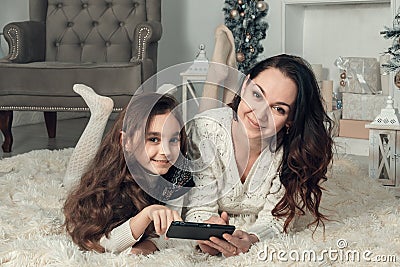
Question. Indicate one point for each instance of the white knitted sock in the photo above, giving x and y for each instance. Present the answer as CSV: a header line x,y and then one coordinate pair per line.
x,y
86,148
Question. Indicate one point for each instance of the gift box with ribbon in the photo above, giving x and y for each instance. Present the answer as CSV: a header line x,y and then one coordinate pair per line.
x,y
359,75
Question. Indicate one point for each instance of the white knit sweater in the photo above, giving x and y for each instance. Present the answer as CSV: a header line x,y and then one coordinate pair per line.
x,y
249,204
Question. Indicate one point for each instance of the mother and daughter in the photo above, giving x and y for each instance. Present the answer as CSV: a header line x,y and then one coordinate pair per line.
x,y
271,150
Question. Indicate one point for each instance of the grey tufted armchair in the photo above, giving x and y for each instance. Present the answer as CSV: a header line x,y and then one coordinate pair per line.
x,y
110,45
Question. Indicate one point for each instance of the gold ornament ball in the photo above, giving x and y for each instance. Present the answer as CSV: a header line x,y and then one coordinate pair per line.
x,y
240,57
242,14
342,83
234,13
397,79
252,49
240,2
261,5
343,75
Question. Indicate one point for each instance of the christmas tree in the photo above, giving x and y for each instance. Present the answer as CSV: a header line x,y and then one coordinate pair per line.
x,y
244,19
389,115
394,50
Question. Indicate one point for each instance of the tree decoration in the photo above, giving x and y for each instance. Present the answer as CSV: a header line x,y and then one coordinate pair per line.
x,y
393,65
234,14
240,57
261,5
245,20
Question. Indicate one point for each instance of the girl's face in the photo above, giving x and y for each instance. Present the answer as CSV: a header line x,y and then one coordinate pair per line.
x,y
162,144
267,103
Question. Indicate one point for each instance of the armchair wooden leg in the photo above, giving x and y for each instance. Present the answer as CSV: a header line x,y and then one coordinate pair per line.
x,y
6,117
50,118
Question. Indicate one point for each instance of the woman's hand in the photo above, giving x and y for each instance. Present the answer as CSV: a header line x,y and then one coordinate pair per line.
x,y
203,244
231,245
161,217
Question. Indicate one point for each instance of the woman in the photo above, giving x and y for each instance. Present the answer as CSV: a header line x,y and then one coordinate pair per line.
x,y
107,209
272,148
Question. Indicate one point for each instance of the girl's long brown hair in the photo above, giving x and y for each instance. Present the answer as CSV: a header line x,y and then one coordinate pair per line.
x,y
307,144
107,194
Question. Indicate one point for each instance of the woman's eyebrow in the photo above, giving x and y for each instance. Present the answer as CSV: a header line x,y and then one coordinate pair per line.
x,y
262,90
159,134
279,103
283,104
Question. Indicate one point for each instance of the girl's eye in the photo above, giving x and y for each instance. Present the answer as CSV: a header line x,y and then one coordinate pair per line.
x,y
174,140
154,139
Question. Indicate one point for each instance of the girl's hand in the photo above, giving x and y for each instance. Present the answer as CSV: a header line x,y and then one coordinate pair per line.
x,y
161,217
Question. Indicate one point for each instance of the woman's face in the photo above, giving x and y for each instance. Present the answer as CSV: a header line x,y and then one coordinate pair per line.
x,y
162,144
267,103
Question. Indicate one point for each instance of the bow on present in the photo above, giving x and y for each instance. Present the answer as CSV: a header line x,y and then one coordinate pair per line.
x,y
344,65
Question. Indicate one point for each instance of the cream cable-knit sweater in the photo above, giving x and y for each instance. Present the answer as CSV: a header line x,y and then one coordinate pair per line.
x,y
249,204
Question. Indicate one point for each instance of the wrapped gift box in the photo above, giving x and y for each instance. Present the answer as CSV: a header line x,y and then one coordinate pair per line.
x,y
353,129
362,106
362,75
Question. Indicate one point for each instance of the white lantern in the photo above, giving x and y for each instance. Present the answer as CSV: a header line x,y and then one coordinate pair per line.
x,y
384,147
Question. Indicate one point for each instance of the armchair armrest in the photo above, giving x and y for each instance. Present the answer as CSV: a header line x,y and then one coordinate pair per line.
x,y
145,34
26,41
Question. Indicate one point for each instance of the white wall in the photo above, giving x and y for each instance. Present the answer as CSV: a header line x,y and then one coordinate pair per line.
x,y
186,25
13,10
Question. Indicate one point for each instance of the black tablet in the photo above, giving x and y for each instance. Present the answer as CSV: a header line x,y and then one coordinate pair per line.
x,y
198,231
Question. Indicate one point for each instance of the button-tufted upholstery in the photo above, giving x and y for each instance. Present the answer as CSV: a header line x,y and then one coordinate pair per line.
x,y
110,45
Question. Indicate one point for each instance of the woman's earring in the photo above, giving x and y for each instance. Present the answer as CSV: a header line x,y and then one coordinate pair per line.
x,y
287,129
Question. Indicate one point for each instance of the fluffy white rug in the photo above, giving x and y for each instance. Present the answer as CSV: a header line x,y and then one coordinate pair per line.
x,y
364,228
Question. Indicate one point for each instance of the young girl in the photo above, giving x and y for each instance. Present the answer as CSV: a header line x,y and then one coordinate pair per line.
x,y
106,209
272,146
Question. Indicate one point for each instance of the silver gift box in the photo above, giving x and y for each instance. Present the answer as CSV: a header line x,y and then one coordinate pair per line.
x,y
362,75
362,106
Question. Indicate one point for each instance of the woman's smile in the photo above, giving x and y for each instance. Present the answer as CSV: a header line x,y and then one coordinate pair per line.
x,y
253,122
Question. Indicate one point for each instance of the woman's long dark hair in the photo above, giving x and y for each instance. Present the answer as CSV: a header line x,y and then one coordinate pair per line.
x,y
307,144
107,194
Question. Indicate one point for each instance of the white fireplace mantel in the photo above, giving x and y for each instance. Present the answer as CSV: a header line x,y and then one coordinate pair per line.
x,y
322,30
